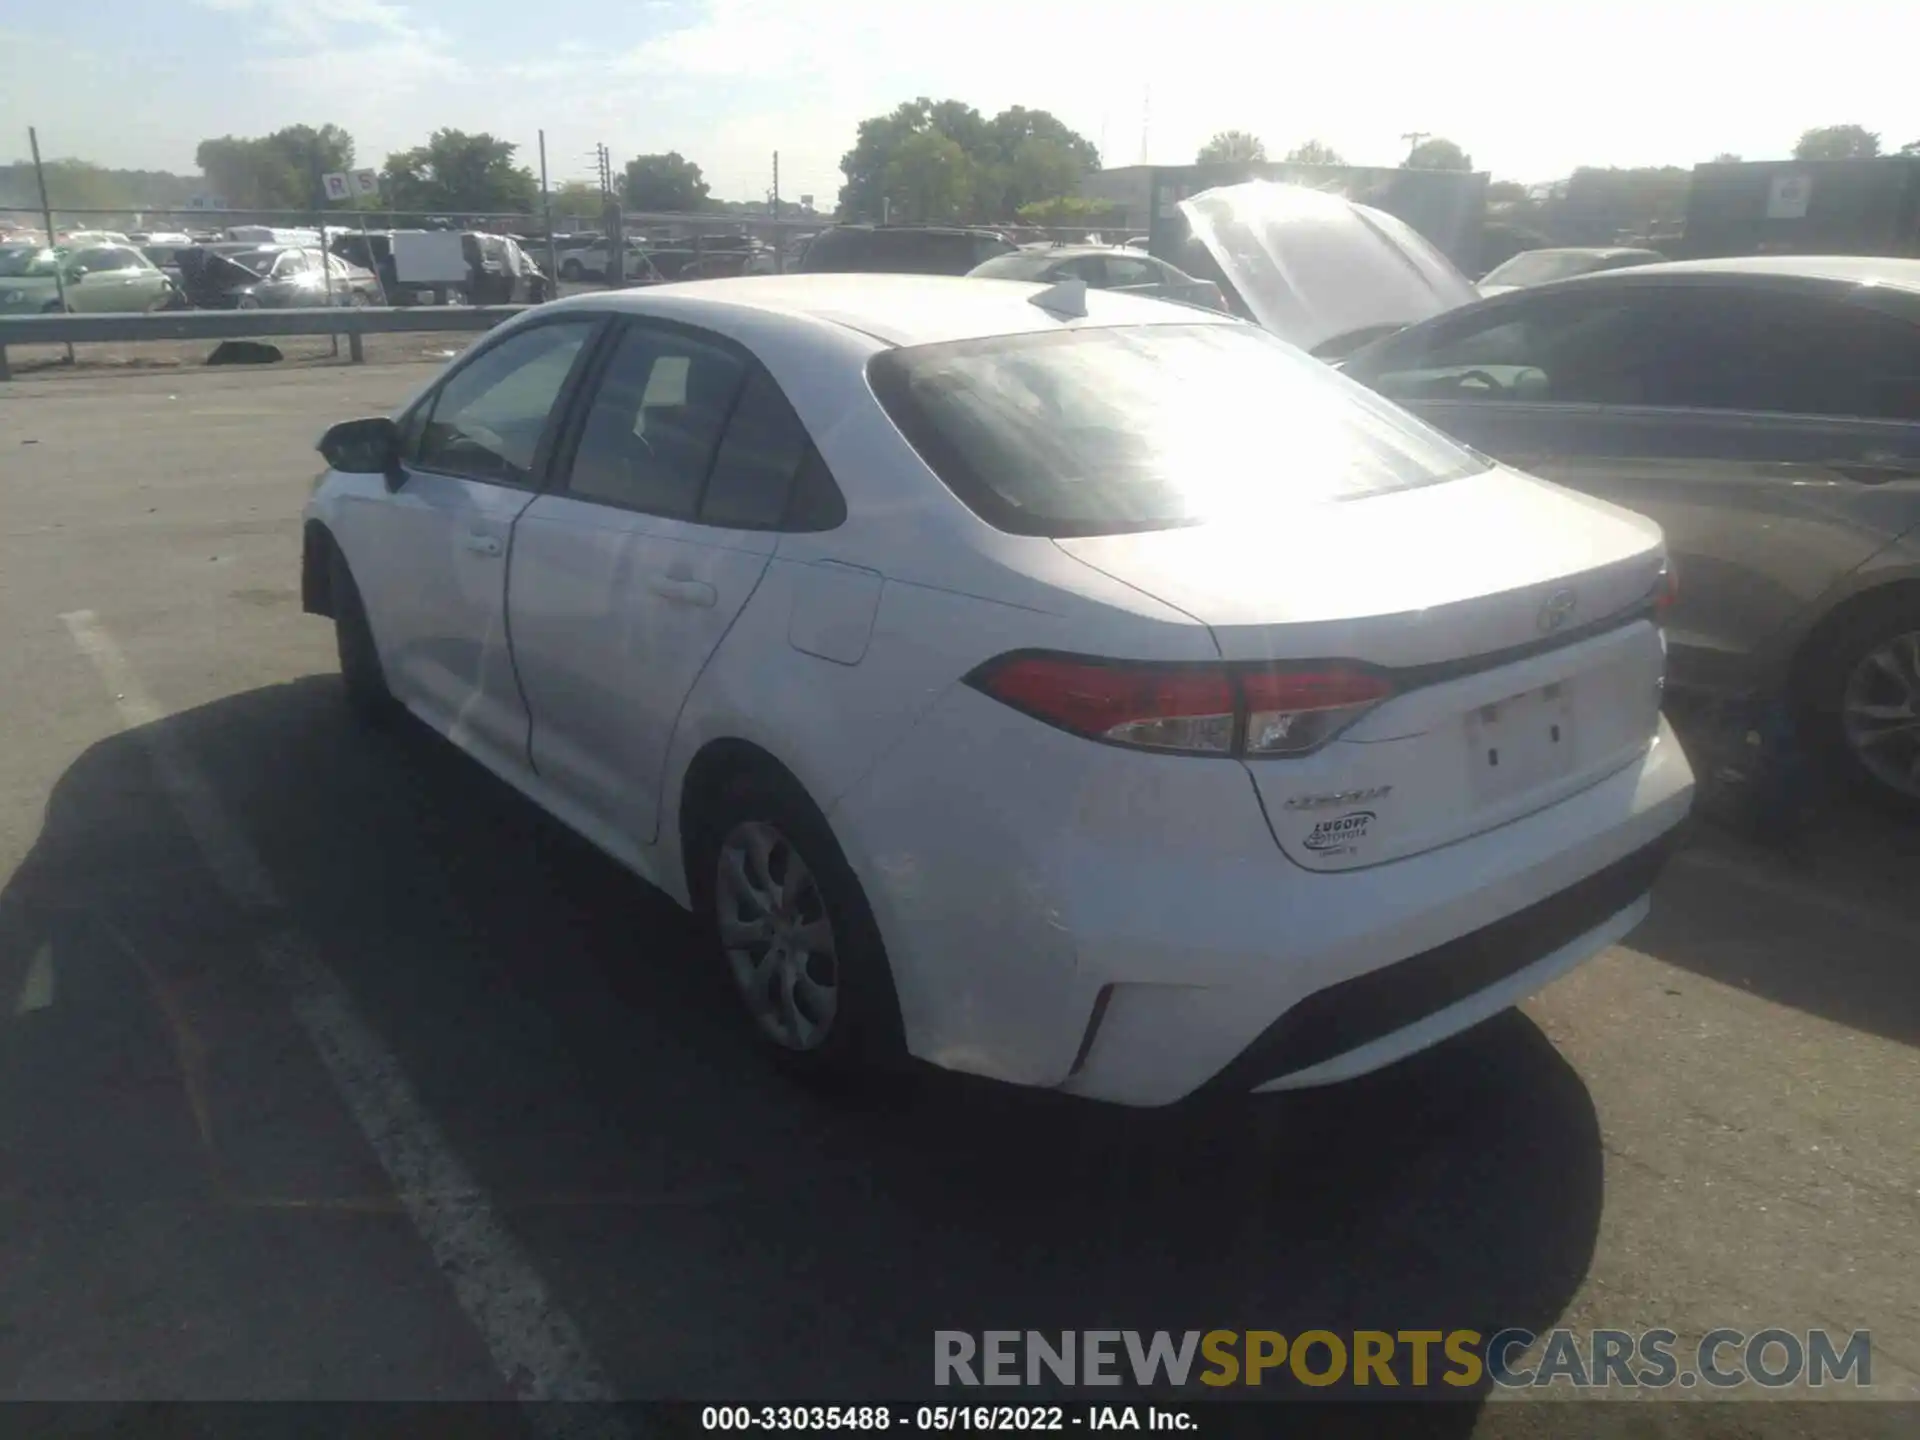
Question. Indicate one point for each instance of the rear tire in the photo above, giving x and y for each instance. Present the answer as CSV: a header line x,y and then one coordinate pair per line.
x,y
1860,699
790,927
571,270
365,682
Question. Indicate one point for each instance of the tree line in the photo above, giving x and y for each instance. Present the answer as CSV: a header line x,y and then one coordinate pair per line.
x,y
926,160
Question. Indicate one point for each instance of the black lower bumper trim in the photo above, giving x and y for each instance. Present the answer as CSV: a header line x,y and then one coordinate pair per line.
x,y
1354,1012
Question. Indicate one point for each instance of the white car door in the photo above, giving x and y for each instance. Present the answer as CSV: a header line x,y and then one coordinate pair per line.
x,y
629,571
431,558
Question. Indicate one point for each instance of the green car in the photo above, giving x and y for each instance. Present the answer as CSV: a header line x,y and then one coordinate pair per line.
x,y
98,278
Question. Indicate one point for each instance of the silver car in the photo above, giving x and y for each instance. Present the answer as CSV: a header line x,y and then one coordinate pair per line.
x,y
1766,411
1103,267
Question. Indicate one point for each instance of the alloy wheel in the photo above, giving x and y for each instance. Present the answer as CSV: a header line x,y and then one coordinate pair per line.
x,y
1880,712
777,938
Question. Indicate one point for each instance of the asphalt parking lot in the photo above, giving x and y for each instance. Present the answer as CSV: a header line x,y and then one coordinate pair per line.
x,y
318,1045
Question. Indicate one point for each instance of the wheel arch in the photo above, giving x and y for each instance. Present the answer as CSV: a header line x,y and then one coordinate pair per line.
x,y
316,569
1892,594
707,773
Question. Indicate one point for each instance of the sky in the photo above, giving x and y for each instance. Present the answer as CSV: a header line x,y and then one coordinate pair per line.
x,y
1529,90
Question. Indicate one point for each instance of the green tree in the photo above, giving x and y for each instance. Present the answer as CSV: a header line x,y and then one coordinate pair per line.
x,y
1726,157
930,178
661,183
1018,156
1314,152
1837,142
581,198
1063,211
458,173
1231,147
281,171
1506,192
1438,153
1912,147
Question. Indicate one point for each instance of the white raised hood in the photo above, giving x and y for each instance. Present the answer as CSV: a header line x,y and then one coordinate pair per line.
x,y
1410,577
1314,266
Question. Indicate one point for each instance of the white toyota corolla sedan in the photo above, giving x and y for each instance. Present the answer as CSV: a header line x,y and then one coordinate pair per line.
x,y
1065,687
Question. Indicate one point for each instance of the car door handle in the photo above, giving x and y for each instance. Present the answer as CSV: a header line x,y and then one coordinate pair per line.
x,y
684,592
485,544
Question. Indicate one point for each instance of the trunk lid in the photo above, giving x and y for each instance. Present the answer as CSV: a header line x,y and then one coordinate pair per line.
x,y
1313,267
1500,604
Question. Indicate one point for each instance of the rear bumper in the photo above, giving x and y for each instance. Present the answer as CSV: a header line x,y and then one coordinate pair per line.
x,y
1123,926
1377,1017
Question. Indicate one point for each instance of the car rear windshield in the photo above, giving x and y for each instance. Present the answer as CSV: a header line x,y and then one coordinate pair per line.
x,y
1104,430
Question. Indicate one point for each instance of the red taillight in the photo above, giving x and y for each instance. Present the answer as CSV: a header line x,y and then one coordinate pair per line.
x,y
1194,709
1290,712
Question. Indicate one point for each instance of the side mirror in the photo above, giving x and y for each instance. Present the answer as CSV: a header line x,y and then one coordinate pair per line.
x,y
75,274
364,447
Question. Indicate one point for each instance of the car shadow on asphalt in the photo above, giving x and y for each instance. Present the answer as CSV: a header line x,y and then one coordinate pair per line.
x,y
1829,925
721,1233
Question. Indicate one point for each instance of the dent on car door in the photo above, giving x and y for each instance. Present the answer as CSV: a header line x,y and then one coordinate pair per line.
x,y
628,575
431,557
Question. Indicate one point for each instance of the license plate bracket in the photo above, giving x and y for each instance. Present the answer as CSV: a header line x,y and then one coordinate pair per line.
x,y
1520,743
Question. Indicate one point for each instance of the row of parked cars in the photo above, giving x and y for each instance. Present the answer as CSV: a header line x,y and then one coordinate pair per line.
x,y
250,268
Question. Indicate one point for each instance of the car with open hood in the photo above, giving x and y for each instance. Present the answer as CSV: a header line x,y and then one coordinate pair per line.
x,y
243,276
1321,271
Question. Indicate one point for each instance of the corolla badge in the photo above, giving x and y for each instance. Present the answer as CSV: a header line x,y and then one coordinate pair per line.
x,y
1340,835
1337,797
1557,610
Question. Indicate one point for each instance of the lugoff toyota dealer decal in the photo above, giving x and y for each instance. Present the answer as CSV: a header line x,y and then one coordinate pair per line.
x,y
1341,835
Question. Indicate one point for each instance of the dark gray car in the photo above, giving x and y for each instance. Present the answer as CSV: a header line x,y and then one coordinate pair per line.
x,y
1766,411
241,276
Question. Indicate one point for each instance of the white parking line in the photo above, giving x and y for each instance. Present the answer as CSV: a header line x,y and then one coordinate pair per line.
x,y
534,1343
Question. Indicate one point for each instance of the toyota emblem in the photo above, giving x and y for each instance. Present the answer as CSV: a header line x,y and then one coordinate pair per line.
x,y
1557,611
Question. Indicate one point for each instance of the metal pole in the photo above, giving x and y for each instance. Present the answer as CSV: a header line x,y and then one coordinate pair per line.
x,y
779,254
546,213
326,272
373,264
46,214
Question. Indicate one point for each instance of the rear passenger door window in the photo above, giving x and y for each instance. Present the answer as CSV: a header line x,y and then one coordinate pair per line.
x,y
759,456
654,426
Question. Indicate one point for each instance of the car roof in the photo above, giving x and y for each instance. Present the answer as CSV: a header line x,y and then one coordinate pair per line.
x,y
895,309
1043,247
1896,273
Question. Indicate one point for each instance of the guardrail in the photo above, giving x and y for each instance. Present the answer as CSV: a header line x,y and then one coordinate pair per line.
x,y
350,321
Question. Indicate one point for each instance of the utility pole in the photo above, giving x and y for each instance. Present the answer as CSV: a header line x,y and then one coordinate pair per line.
x,y
46,214
546,216
779,267
1413,139
615,222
